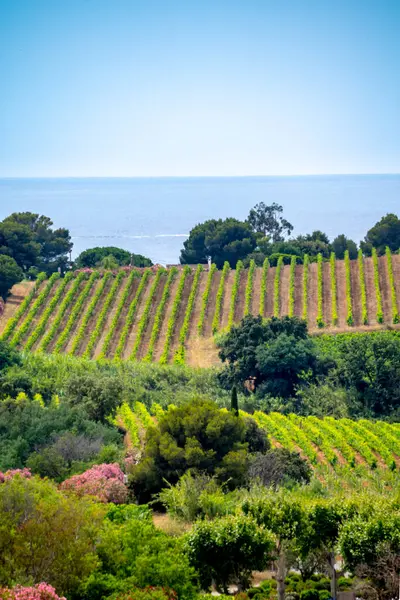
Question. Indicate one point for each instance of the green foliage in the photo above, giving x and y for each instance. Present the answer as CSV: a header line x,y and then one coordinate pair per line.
x,y
174,314
227,550
40,300
234,294
333,289
340,244
75,312
306,262
98,396
349,300
379,308
226,240
320,292
92,257
364,308
62,309
268,221
385,232
204,302
293,262
13,322
144,319
395,310
10,273
47,313
263,289
249,287
219,298
279,466
277,284
180,352
131,314
158,319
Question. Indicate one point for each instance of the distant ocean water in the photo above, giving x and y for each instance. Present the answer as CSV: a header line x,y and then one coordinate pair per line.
x,y
154,216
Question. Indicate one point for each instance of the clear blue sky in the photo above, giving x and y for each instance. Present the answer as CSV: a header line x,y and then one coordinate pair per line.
x,y
199,87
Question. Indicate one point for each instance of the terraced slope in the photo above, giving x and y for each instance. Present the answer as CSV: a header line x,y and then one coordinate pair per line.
x,y
171,316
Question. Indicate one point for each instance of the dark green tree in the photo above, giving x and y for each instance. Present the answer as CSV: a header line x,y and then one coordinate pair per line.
x,y
313,244
224,240
234,401
279,466
99,395
341,243
10,273
385,232
8,356
93,257
268,221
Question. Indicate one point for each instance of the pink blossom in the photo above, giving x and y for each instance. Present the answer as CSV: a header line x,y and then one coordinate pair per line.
x,y
105,482
42,591
12,472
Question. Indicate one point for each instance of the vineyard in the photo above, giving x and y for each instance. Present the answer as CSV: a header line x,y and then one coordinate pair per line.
x,y
171,316
334,444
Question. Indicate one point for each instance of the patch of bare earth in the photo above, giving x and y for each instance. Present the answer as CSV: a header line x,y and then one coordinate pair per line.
x,y
255,301
121,321
396,275
327,293
159,346
241,296
18,294
65,317
312,296
284,291
110,315
181,315
139,311
202,352
298,291
93,319
227,298
269,299
385,290
341,294
370,290
154,305
212,298
356,293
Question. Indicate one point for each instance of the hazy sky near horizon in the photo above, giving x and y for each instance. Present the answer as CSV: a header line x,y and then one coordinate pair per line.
x,y
199,87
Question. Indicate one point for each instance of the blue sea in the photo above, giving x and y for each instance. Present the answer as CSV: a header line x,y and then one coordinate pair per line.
x,y
154,216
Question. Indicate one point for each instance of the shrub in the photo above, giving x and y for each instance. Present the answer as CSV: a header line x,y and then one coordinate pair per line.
x,y
104,482
41,591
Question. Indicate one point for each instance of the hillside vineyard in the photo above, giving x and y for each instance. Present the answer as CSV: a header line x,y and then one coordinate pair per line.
x,y
172,315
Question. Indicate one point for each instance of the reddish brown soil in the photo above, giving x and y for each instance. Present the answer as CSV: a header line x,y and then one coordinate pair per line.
x,y
93,319
269,295
370,287
241,297
356,292
181,314
312,302
284,291
121,321
341,294
327,293
226,301
385,289
198,303
255,302
65,318
159,346
154,305
139,311
396,274
113,309
207,330
17,296
298,291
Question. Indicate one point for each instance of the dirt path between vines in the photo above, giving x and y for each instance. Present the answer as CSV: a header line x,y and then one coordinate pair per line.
x,y
122,318
312,296
341,294
181,315
226,300
298,291
284,291
370,290
356,292
241,297
326,293
130,340
144,344
385,290
269,300
255,301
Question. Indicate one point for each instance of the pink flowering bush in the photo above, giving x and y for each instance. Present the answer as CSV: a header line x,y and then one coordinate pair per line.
x,y
12,472
105,482
42,591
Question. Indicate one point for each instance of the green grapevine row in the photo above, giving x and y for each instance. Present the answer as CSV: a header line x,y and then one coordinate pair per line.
x,y
349,301
306,262
263,287
13,322
220,298
158,319
234,294
320,291
334,311
174,313
277,285
144,319
292,272
204,301
395,310
379,308
249,287
364,308
131,314
180,352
